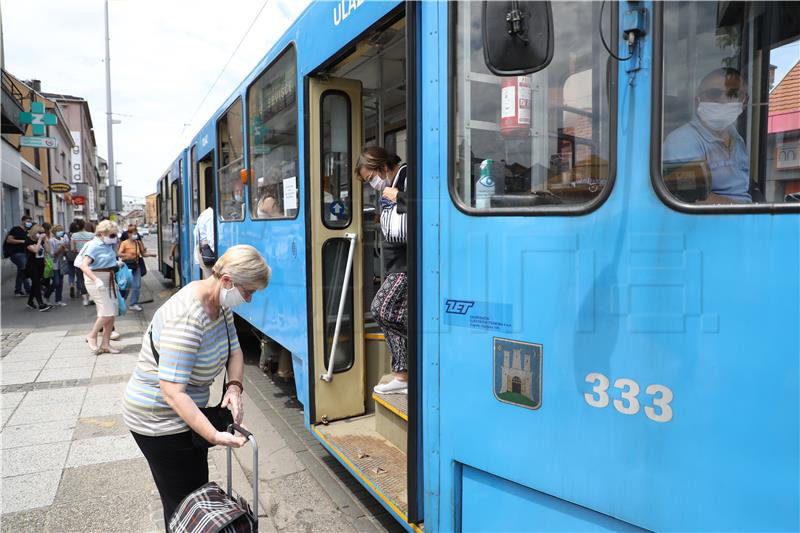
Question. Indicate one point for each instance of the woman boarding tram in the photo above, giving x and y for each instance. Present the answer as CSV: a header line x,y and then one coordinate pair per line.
x,y
602,259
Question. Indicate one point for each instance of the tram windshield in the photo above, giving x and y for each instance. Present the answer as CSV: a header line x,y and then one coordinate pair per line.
x,y
731,102
540,140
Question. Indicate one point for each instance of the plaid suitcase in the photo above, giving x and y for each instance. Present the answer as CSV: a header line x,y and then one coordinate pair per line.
x,y
209,509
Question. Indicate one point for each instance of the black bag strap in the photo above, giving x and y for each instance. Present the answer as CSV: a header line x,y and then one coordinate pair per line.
x,y
227,333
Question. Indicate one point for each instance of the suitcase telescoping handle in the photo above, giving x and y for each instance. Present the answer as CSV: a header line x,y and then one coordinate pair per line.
x,y
236,427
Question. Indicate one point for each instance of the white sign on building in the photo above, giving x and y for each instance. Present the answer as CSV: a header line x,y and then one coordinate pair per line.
x,y
77,159
92,212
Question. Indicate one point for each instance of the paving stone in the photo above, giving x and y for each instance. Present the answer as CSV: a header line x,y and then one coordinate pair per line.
x,y
103,400
111,513
58,374
116,369
316,514
70,362
28,520
9,400
94,481
70,352
47,335
100,426
23,365
5,415
13,378
45,412
45,433
62,396
102,450
30,491
37,458
17,356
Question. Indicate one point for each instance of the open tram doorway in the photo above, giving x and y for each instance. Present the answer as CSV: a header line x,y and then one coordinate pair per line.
x,y
359,98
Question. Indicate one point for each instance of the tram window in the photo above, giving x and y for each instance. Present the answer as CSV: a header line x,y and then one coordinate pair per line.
x,y
535,143
231,162
731,105
272,137
336,160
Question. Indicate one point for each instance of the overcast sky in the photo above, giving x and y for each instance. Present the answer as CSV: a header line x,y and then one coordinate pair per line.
x,y
165,55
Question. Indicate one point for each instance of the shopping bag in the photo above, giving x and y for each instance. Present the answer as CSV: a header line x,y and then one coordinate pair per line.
x,y
124,277
121,307
48,268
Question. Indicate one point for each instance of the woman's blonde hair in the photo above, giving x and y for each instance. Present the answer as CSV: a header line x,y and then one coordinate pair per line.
x,y
105,227
245,265
36,228
57,227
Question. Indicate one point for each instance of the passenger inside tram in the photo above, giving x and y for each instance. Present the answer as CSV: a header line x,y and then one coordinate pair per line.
x,y
711,138
268,204
233,208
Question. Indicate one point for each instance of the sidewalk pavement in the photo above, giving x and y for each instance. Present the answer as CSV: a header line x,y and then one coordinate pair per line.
x,y
70,464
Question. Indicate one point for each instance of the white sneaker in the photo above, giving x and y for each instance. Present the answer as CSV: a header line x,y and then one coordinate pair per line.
x,y
393,387
61,304
115,335
135,307
85,300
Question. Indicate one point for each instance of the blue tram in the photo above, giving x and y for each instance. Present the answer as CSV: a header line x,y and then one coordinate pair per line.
x,y
603,262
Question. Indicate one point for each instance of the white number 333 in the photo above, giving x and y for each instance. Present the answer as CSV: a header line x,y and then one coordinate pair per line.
x,y
628,404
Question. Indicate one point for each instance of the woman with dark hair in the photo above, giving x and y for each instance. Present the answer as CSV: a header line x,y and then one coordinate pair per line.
x,y
387,175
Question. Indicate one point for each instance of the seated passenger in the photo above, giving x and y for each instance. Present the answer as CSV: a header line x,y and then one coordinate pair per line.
x,y
233,208
268,207
711,137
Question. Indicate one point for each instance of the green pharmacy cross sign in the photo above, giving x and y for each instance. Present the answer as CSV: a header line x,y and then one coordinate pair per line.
x,y
37,118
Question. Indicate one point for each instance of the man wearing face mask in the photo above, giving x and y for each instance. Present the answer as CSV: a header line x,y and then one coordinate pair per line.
x,y
711,137
191,339
16,251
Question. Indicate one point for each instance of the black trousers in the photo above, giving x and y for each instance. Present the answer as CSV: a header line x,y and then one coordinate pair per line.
x,y
178,467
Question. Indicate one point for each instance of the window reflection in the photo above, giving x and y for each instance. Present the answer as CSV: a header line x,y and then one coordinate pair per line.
x,y
537,140
723,114
231,162
272,119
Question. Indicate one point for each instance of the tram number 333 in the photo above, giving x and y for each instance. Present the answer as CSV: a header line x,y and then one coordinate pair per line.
x,y
660,411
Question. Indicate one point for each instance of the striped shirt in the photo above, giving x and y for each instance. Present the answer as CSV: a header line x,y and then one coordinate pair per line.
x,y
193,350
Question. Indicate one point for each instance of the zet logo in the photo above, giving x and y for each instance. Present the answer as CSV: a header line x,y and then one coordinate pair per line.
x,y
458,307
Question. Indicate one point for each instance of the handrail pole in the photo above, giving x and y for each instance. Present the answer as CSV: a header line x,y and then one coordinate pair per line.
x,y
345,284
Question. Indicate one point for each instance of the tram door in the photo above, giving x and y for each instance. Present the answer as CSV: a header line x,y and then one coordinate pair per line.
x,y
337,263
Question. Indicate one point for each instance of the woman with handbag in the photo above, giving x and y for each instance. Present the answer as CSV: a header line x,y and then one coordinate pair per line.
x,y
133,252
36,246
387,175
190,340
98,262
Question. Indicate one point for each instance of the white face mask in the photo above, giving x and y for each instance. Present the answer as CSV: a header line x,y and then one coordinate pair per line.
x,y
230,298
719,117
237,197
109,240
378,183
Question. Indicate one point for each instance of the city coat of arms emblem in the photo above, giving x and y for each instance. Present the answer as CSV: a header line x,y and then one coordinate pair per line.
x,y
518,372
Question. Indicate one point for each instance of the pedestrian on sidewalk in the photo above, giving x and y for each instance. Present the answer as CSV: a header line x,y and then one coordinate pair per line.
x,y
16,250
99,264
70,256
133,252
36,244
84,235
188,335
59,244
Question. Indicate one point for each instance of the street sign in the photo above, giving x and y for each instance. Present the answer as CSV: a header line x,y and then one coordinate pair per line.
x,y
39,142
79,200
60,187
37,118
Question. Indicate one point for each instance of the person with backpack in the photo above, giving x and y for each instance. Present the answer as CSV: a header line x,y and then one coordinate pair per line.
x,y
14,249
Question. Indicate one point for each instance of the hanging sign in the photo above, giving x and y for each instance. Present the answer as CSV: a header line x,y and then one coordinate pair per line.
x,y
60,187
39,142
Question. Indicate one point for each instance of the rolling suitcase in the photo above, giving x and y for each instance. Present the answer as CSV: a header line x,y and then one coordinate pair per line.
x,y
209,509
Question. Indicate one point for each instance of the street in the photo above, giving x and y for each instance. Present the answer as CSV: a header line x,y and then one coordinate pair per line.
x,y
70,464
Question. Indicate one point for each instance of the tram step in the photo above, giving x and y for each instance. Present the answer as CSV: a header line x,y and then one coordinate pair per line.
x,y
391,418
